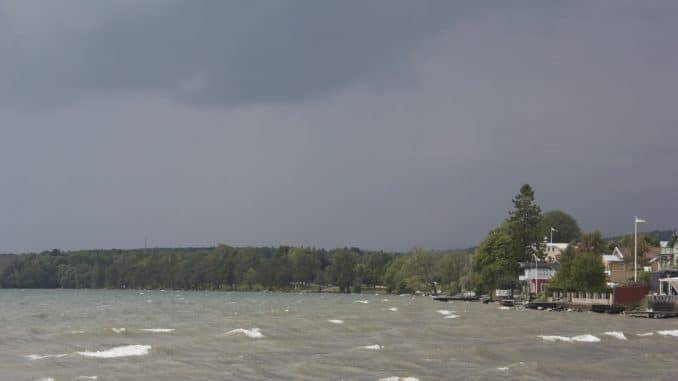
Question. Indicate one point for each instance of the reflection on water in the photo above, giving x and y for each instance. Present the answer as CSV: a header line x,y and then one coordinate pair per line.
x,y
181,335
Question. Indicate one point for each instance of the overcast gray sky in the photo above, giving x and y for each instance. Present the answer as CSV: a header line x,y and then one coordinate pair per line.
x,y
379,124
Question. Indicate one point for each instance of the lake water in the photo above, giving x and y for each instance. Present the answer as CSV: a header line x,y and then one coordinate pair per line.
x,y
182,335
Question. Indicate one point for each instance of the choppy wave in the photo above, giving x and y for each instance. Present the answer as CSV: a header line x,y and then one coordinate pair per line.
x,y
122,351
616,334
158,330
118,330
374,347
362,301
672,332
336,321
445,312
254,333
580,338
40,357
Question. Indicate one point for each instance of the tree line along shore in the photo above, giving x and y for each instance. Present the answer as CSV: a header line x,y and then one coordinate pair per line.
x,y
494,264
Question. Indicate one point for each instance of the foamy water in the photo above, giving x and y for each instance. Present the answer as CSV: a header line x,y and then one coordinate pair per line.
x,y
41,357
587,338
336,321
116,352
672,332
248,336
254,333
616,335
158,330
373,347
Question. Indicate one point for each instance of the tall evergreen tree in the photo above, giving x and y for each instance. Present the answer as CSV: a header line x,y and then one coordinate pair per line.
x,y
524,225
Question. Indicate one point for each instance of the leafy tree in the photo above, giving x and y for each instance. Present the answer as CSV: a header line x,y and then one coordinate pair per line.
x,y
454,270
420,269
524,224
342,269
567,228
588,273
494,260
562,280
394,277
592,243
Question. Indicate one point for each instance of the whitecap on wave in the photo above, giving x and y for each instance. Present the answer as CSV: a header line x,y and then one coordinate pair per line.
x,y
374,347
673,332
396,378
122,351
87,378
453,316
445,312
362,301
158,330
616,334
580,338
40,357
254,333
118,330
394,309
645,334
336,321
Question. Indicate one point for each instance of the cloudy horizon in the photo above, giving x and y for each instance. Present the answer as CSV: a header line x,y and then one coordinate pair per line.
x,y
376,124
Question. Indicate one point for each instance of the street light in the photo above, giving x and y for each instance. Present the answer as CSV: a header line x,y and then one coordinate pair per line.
x,y
635,246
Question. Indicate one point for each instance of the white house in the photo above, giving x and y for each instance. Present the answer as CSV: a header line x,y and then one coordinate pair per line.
x,y
537,275
554,250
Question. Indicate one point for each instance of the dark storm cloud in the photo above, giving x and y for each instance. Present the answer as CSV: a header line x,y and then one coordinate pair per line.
x,y
219,53
382,125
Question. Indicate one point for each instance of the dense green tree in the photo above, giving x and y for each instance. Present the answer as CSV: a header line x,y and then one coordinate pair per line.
x,y
524,225
494,260
454,270
567,228
562,280
420,271
342,269
394,277
588,273
592,243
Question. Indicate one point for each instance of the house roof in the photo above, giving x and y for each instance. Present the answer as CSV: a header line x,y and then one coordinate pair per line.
x,y
653,252
612,258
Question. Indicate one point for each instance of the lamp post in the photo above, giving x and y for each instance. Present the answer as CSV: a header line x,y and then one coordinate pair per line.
x,y
635,246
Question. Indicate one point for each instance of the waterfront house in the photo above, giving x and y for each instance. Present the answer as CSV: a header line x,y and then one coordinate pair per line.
x,y
668,255
615,268
554,250
537,275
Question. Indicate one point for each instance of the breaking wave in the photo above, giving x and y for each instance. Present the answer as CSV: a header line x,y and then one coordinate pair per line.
x,y
40,357
254,333
616,335
336,321
580,338
123,351
158,330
